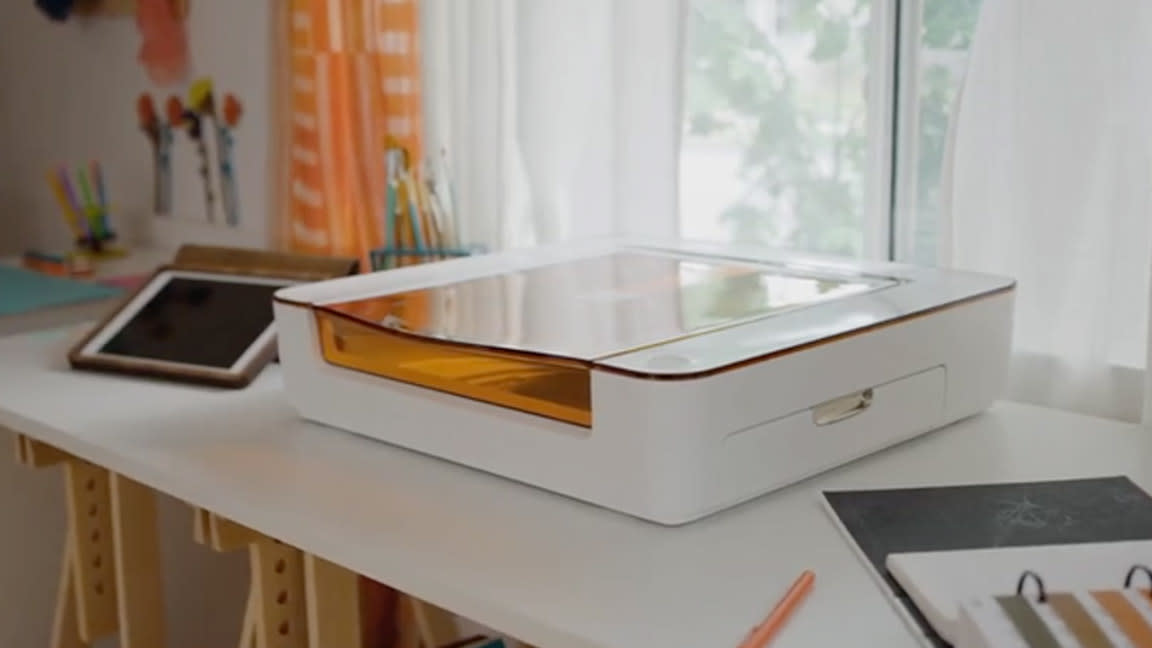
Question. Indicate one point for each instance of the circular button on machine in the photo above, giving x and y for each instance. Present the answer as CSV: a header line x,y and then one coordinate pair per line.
x,y
669,362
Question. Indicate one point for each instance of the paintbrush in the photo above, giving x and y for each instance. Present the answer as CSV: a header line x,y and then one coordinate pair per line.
x,y
202,100
150,124
179,116
67,205
232,112
159,135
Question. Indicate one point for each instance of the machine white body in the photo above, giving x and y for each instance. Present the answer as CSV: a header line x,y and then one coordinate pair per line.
x,y
766,402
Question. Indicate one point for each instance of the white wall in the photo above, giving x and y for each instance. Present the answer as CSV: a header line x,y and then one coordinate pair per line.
x,y
68,94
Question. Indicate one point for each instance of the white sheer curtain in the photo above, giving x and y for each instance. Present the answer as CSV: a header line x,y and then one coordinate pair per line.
x,y
1051,183
560,117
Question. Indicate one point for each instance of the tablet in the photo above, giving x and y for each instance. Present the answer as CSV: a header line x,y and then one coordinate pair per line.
x,y
198,326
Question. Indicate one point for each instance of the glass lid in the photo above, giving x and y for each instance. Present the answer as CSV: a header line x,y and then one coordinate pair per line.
x,y
597,307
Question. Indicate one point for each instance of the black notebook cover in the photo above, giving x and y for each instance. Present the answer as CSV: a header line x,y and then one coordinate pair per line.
x,y
947,518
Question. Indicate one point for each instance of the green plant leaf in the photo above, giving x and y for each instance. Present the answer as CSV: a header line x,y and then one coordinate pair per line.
x,y
832,39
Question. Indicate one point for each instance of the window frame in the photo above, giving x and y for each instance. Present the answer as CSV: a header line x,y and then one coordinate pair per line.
x,y
906,126
905,215
904,23
884,92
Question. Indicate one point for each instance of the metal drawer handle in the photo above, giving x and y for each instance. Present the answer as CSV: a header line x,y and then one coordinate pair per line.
x,y
844,407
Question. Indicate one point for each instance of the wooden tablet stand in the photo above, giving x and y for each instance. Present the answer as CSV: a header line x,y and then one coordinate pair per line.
x,y
262,263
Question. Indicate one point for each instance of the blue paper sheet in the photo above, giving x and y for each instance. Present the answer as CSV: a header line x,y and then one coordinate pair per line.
x,y
22,291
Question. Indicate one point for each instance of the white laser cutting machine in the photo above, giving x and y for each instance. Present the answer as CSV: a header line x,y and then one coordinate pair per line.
x,y
666,382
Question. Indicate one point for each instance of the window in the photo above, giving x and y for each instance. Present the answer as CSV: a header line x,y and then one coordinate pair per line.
x,y
820,124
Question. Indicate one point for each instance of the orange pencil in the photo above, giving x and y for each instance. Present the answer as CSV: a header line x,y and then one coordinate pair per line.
x,y
763,633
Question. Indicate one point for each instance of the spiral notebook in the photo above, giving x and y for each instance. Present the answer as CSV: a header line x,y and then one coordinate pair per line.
x,y
1074,594
1034,516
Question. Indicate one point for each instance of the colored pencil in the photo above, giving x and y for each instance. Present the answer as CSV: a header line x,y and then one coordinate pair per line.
x,y
70,193
70,216
101,196
98,180
420,242
85,187
770,627
90,210
390,238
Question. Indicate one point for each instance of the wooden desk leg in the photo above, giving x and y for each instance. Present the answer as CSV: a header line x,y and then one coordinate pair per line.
x,y
86,608
297,600
275,615
90,523
334,619
333,605
248,632
65,627
278,576
224,535
139,572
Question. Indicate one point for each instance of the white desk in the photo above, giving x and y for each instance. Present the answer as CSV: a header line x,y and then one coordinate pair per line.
x,y
551,571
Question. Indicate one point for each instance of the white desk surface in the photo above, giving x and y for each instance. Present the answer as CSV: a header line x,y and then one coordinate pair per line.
x,y
548,570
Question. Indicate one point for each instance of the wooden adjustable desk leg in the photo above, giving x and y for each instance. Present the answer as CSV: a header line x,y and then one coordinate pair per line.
x,y
333,604
223,535
275,615
86,607
278,576
65,627
297,600
248,631
139,572
90,521
334,619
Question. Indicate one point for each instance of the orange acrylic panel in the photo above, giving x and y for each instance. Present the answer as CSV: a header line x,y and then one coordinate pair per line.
x,y
529,338
551,387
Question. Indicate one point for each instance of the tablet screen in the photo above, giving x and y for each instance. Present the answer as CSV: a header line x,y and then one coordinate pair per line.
x,y
196,321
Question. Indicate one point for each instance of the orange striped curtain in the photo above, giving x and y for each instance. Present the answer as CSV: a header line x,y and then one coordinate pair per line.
x,y
349,87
